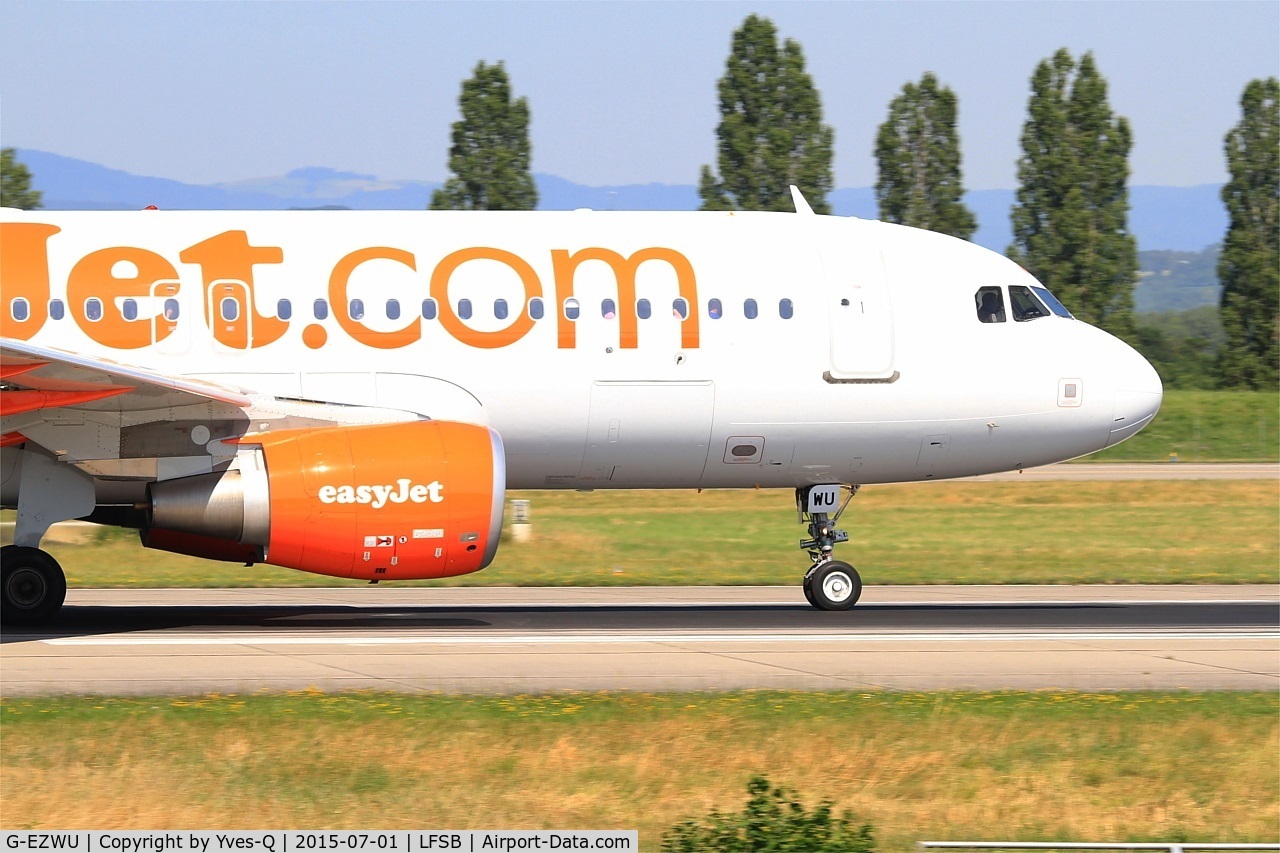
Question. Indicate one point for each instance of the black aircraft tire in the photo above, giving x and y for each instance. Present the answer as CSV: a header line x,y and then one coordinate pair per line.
x,y
32,586
808,588
835,585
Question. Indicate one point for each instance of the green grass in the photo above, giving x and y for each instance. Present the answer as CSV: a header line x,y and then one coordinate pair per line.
x,y
1030,766
1018,532
1206,426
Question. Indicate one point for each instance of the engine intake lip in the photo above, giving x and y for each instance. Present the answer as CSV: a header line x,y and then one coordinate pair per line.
x,y
499,497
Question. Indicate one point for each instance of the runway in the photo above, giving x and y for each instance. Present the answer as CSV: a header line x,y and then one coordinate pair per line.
x,y
487,640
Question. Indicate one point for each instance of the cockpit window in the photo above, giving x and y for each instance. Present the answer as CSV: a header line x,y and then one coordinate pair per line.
x,y
1025,304
990,304
1049,299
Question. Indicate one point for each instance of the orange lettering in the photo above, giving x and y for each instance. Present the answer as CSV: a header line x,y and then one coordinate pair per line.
x,y
226,263
103,283
24,269
341,304
522,323
624,273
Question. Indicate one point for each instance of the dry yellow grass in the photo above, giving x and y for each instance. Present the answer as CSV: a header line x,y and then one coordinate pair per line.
x,y
1022,766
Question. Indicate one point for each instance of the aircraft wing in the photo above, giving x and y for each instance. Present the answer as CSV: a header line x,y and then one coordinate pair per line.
x,y
36,378
119,421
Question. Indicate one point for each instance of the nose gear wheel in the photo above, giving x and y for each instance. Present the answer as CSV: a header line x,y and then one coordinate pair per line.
x,y
829,584
833,585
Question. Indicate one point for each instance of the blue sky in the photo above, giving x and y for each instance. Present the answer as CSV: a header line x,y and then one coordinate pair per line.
x,y
621,92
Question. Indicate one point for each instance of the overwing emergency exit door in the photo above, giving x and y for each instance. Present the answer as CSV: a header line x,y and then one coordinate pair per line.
x,y
169,333
231,313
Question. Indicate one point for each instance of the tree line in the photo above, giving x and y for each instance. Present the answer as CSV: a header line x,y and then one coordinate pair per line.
x,y
1070,219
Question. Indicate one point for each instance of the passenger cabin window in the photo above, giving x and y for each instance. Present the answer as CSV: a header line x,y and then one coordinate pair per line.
x,y
750,310
284,309
93,309
19,309
1025,304
608,309
393,309
715,309
56,309
172,309
500,309
428,309
464,309
785,311
643,309
535,308
356,309
320,309
229,308
990,304
129,308
680,308
571,308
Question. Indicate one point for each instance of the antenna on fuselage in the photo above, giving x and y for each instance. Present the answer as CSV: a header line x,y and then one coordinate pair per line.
x,y
797,198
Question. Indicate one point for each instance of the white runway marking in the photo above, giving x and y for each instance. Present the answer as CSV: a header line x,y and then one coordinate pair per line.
x,y
617,639
628,604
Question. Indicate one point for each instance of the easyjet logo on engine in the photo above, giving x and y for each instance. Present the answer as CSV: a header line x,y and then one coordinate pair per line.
x,y
402,491
99,283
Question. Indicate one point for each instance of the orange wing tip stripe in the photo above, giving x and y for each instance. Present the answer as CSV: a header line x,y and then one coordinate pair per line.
x,y
11,438
17,402
7,370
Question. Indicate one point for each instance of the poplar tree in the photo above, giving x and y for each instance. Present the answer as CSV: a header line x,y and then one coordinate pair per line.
x,y
1070,223
490,151
15,183
918,159
771,133
1249,266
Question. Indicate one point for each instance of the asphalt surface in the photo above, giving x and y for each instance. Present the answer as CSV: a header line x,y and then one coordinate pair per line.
x,y
488,640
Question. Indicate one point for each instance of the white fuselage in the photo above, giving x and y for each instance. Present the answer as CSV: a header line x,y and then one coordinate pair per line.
x,y
882,372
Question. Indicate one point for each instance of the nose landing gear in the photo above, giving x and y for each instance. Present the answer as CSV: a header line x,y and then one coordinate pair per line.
x,y
829,584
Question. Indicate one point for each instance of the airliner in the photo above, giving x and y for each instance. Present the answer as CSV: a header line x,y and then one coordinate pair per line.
x,y
352,393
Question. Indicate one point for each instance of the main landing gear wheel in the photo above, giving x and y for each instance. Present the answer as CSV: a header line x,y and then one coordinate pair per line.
x,y
32,586
833,585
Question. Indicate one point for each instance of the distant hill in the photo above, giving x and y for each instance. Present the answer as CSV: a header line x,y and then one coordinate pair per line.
x,y
1178,218
1177,281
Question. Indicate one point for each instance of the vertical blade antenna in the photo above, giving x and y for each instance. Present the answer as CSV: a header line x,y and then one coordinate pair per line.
x,y
797,198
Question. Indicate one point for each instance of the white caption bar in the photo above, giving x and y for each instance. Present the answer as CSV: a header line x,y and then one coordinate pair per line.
x,y
304,840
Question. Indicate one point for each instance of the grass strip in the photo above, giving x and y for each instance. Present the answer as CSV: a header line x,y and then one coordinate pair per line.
x,y
1025,766
961,532
1206,426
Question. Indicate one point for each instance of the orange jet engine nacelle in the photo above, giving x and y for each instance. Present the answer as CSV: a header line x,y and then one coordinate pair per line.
x,y
397,501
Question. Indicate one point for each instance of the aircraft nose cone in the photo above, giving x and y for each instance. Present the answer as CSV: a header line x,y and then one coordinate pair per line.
x,y
1138,395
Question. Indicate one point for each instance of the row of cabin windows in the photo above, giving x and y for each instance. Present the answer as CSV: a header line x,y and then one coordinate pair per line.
x,y
572,309
229,309
20,309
